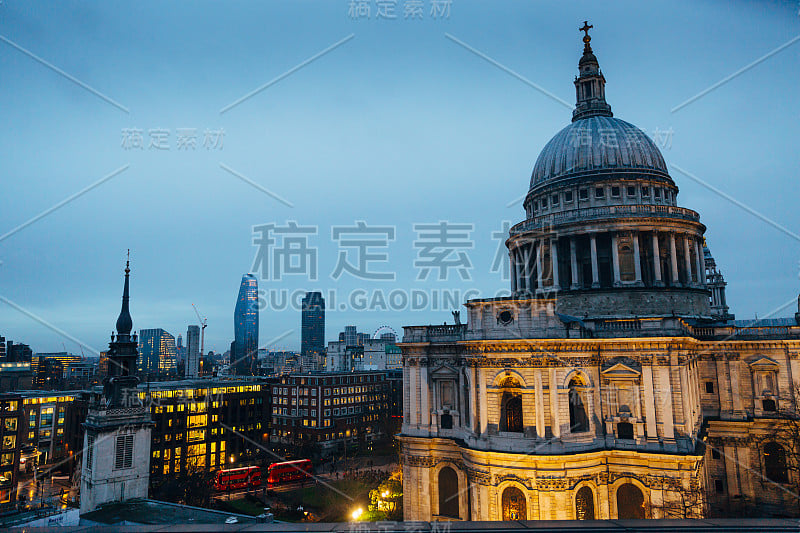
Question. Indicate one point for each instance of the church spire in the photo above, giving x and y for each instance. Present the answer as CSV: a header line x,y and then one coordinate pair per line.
x,y
590,85
124,322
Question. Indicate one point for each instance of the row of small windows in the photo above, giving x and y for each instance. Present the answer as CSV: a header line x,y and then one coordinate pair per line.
x,y
554,200
337,391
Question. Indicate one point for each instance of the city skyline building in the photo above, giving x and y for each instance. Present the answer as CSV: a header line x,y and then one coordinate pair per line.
x,y
244,349
312,342
180,349
192,351
158,354
18,352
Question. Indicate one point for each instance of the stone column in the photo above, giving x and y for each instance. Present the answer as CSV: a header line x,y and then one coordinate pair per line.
x,y
687,260
673,253
702,260
649,403
407,404
554,261
555,420
701,273
686,397
476,401
522,284
424,397
484,415
413,420
529,264
657,261
595,274
738,406
512,264
540,243
615,259
637,259
539,409
665,394
573,263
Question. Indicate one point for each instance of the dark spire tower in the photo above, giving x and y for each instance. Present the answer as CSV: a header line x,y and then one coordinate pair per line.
x,y
119,387
116,445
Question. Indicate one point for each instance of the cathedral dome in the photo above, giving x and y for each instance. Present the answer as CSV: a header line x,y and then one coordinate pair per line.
x,y
597,145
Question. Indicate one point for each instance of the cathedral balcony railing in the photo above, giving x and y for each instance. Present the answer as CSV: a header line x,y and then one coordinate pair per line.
x,y
443,333
609,211
745,333
619,325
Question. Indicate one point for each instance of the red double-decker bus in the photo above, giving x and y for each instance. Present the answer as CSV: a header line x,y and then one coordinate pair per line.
x,y
288,472
248,477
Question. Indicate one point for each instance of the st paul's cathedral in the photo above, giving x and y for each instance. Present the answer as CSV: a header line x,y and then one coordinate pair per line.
x,y
613,382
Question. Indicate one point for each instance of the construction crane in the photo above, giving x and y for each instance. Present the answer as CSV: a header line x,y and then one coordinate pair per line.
x,y
203,324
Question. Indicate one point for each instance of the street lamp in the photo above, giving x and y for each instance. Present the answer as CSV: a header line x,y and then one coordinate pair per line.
x,y
357,513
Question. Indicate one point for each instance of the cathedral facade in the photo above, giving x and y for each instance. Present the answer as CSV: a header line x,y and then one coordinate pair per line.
x,y
613,382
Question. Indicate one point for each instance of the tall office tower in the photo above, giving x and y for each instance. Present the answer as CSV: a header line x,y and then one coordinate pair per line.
x,y
2,348
245,328
312,343
192,351
350,336
180,349
158,352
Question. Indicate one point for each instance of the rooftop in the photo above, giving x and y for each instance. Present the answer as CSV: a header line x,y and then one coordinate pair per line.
x,y
554,526
152,512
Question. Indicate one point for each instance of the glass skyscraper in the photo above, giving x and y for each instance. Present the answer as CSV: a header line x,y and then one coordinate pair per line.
x,y
312,343
244,351
157,352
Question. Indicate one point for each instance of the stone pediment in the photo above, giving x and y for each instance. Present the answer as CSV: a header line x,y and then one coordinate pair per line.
x,y
444,372
761,362
621,371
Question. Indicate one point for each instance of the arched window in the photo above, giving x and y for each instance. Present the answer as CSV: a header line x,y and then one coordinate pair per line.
x,y
630,502
448,493
625,430
775,463
511,413
584,504
514,505
626,269
511,406
578,421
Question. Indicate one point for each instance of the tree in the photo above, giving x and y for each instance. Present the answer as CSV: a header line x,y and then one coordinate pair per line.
x,y
192,486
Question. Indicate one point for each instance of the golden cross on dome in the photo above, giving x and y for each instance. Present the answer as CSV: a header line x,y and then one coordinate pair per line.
x,y
586,28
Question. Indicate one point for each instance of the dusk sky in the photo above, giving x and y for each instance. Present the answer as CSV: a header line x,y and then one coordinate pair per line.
x,y
399,122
